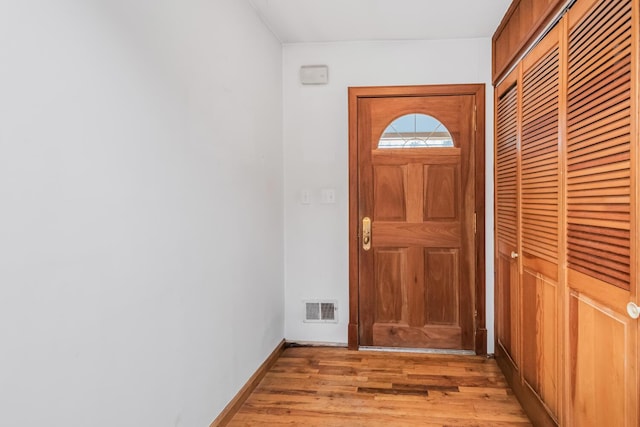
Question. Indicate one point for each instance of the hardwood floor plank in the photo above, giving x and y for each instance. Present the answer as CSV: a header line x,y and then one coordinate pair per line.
x,y
337,387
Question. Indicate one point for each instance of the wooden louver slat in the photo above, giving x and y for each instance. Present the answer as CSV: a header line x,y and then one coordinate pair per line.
x,y
599,136
506,167
540,93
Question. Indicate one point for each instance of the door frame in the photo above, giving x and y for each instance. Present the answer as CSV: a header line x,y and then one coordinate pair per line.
x,y
356,93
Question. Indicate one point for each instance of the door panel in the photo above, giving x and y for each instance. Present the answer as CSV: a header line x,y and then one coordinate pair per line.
x,y
540,336
442,288
507,304
599,377
390,279
389,186
442,192
602,350
506,182
417,283
541,221
441,234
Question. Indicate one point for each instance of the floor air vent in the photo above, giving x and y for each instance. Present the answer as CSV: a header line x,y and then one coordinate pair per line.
x,y
321,311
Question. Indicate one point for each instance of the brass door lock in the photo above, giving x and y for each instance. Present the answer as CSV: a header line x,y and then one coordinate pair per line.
x,y
366,233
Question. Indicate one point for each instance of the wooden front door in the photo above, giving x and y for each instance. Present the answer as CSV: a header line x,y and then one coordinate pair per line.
x,y
416,210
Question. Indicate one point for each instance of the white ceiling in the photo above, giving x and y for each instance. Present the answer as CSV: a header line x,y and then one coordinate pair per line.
x,y
302,21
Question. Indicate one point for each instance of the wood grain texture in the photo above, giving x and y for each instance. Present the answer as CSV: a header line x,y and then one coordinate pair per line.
x,y
533,407
540,175
436,234
338,387
390,283
443,286
354,221
576,218
540,222
480,178
598,143
423,203
241,397
602,113
507,166
413,161
598,375
398,334
539,337
390,198
507,171
522,23
442,192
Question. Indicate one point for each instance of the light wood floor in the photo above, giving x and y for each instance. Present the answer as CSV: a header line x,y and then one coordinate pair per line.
x,y
337,387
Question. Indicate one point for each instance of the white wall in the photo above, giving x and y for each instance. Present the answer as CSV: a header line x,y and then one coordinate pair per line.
x,y
316,157
141,209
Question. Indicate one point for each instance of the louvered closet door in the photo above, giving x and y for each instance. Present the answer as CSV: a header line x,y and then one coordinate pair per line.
x,y
506,181
601,148
539,192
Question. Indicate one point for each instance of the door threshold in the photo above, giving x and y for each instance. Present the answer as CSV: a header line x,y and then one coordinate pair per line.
x,y
419,350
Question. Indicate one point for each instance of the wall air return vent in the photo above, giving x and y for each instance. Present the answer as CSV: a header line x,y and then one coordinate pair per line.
x,y
321,311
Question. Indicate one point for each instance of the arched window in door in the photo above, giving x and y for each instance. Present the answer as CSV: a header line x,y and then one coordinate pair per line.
x,y
415,130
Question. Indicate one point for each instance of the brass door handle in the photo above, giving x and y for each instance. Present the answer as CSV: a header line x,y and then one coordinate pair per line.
x,y
366,233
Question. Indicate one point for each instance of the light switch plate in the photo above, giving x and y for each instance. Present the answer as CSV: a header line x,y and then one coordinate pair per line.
x,y
305,197
328,195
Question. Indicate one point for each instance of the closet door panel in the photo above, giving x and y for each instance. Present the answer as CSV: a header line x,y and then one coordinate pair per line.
x,y
539,337
523,21
540,204
602,351
506,178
